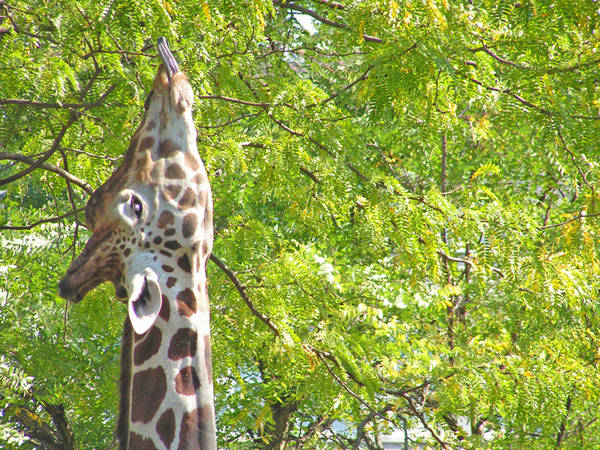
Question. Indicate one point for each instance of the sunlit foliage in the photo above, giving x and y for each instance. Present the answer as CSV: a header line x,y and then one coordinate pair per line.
x,y
406,216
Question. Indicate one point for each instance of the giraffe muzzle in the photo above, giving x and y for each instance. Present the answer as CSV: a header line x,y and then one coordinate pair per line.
x,y
66,291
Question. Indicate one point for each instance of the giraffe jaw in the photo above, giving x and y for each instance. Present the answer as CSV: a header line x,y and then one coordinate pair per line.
x,y
145,300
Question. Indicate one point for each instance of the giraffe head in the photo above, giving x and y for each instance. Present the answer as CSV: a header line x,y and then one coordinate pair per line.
x,y
152,220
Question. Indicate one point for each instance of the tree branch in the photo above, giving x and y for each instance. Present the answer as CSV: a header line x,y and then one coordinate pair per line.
x,y
577,217
319,18
59,419
234,100
242,291
548,70
321,355
564,144
36,164
50,168
40,222
499,59
334,5
37,104
527,103
563,426
73,116
421,418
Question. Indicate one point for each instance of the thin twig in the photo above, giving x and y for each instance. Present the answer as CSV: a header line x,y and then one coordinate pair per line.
x,y
40,222
527,103
319,18
564,144
242,291
45,155
577,217
421,417
69,177
498,58
385,160
350,391
234,100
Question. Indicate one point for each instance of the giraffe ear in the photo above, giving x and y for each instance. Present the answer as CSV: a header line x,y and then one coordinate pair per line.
x,y
144,302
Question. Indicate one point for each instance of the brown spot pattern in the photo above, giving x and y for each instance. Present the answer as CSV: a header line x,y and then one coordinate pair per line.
x,y
146,143
150,345
208,219
137,442
172,245
208,357
165,309
151,125
166,218
171,191
188,227
167,268
186,302
165,427
197,428
174,171
202,198
183,343
187,381
171,282
192,161
184,263
187,200
148,391
199,178
170,232
166,149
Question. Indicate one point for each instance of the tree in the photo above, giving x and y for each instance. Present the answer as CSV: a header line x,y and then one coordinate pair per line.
x,y
406,216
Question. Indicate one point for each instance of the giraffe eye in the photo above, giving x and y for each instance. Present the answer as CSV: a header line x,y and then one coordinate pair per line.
x,y
136,206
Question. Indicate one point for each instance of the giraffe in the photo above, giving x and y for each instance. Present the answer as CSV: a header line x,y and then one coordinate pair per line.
x,y
151,225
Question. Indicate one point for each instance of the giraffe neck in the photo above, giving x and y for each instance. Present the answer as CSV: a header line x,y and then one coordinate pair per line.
x,y
166,376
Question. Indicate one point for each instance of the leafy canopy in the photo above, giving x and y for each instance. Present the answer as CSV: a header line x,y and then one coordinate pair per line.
x,y
406,216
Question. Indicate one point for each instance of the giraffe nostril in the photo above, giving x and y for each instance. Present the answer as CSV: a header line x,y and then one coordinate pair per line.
x,y
62,293
64,290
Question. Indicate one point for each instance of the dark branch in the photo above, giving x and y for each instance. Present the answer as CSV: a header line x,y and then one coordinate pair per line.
x,y
40,222
36,104
549,70
319,18
73,116
242,291
45,155
577,217
334,5
527,103
234,100
50,168
499,59
322,356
